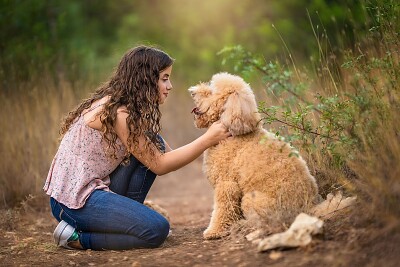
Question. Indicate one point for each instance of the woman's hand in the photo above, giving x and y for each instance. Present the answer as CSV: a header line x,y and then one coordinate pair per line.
x,y
216,133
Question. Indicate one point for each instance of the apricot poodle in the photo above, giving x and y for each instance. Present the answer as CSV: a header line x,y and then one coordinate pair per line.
x,y
253,172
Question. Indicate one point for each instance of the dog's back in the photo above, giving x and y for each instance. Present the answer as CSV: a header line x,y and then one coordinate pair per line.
x,y
269,172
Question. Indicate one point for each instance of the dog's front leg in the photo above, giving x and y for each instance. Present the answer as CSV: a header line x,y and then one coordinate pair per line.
x,y
227,210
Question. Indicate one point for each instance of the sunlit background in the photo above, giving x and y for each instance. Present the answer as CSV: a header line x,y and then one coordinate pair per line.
x,y
85,39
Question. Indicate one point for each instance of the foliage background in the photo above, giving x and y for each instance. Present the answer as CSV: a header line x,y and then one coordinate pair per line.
x,y
76,39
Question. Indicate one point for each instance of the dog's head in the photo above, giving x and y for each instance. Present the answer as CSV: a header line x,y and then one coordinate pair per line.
x,y
226,98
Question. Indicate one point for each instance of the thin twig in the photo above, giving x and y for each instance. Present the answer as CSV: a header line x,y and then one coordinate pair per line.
x,y
300,128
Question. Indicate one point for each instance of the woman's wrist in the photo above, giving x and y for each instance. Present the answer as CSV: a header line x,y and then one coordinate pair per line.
x,y
205,141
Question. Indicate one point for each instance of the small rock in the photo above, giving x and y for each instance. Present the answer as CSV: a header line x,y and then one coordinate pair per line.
x,y
275,255
254,235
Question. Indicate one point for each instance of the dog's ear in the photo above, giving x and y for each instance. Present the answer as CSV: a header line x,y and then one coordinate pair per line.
x,y
201,90
240,113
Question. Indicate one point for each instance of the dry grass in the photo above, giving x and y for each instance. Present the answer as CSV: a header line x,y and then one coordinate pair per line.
x,y
378,170
30,119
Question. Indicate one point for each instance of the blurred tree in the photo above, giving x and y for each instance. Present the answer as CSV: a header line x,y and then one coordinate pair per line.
x,y
60,37
75,38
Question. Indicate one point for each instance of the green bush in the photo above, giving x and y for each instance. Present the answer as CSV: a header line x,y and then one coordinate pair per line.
x,y
345,118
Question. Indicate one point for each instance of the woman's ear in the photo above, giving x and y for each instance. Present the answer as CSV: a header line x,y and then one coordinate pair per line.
x,y
240,114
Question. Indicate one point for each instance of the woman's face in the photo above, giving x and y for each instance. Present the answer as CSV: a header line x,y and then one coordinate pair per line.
x,y
164,84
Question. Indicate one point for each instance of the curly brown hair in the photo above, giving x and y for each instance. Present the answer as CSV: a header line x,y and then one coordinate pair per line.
x,y
133,85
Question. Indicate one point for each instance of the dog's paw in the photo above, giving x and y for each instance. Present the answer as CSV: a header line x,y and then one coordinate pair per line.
x,y
157,208
212,234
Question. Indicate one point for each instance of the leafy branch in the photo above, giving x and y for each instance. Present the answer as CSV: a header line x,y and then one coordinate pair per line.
x,y
246,62
272,118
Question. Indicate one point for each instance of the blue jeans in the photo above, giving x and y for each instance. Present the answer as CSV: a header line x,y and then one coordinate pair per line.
x,y
118,221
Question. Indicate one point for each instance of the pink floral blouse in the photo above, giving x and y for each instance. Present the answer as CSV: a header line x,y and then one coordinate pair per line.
x,y
80,166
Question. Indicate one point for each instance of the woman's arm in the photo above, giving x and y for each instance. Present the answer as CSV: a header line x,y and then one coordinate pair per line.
x,y
170,161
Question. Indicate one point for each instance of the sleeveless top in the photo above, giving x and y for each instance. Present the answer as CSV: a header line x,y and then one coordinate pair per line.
x,y
81,165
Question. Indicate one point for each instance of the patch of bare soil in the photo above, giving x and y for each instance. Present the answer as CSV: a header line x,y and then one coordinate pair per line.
x,y
26,238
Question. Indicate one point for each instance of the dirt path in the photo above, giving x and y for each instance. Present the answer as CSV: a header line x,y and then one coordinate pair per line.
x,y
26,240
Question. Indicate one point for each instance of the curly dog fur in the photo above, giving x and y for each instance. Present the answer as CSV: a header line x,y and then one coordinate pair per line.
x,y
253,171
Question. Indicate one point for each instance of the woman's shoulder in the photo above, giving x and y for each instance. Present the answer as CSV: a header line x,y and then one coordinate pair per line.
x,y
122,115
123,110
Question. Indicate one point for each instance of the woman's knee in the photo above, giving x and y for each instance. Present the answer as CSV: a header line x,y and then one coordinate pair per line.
x,y
158,231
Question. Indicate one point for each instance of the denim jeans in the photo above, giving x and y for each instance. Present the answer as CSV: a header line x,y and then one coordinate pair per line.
x,y
118,220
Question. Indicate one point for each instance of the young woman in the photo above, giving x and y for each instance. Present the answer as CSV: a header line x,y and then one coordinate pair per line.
x,y
110,154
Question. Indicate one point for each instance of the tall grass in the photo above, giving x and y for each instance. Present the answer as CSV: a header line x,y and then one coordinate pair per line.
x,y
30,120
378,170
343,114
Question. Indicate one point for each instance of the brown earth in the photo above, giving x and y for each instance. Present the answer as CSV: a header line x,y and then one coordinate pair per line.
x,y
26,237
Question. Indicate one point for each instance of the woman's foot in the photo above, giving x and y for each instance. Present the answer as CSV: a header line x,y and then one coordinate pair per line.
x,y
66,236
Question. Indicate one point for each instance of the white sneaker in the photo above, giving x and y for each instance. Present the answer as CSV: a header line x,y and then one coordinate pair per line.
x,y
62,234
